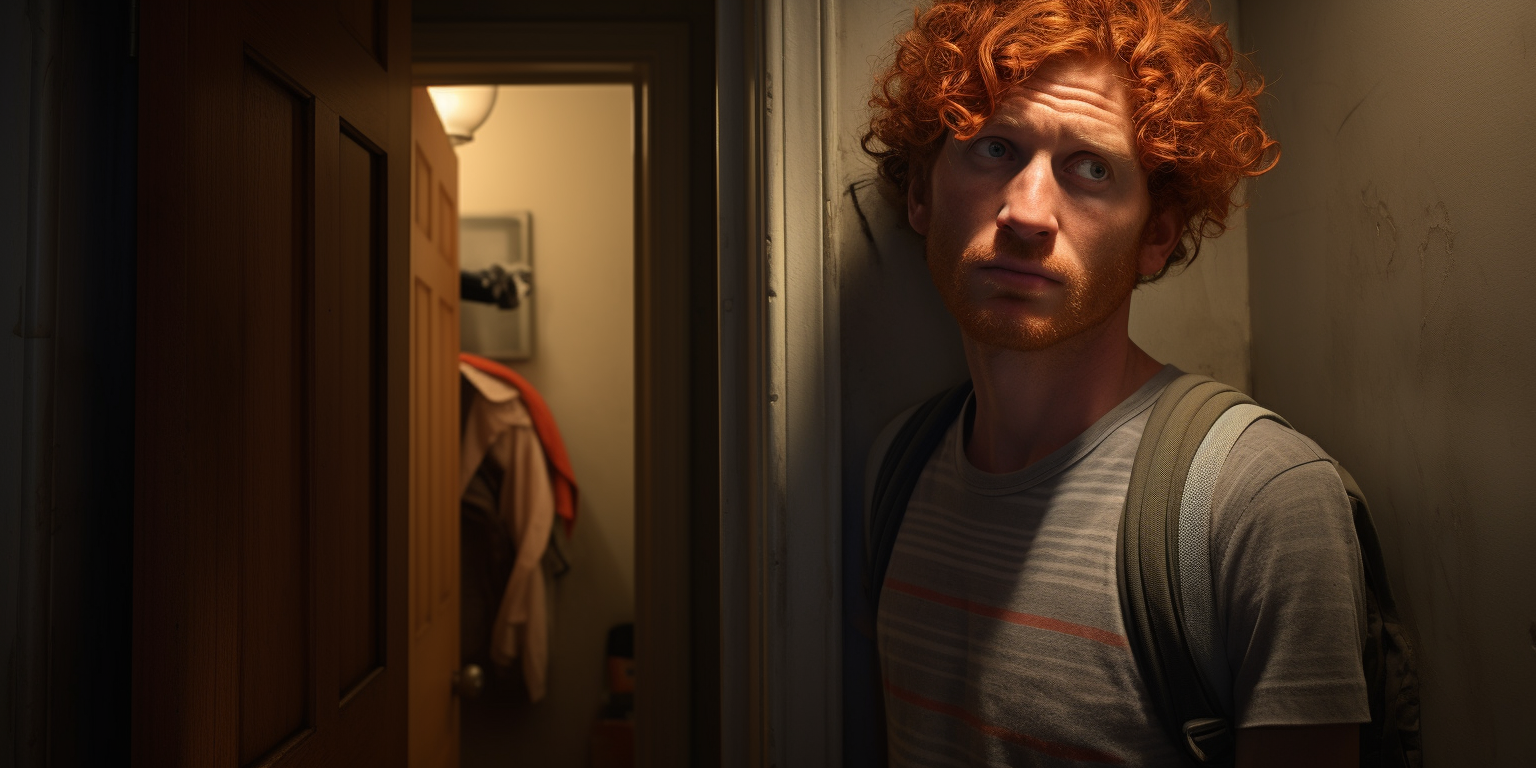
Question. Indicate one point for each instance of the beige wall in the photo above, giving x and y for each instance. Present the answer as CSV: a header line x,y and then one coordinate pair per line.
x,y
1393,272
565,153
1197,318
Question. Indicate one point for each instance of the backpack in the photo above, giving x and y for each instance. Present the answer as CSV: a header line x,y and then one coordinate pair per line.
x,y
1164,568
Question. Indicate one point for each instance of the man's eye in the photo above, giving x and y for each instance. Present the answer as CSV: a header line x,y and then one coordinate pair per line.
x,y
1091,169
993,148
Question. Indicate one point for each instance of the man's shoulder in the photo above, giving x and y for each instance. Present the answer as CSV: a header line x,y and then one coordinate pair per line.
x,y
1277,463
1269,446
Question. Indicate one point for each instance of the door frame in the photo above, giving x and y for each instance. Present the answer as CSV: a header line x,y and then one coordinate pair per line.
x,y
780,384
653,58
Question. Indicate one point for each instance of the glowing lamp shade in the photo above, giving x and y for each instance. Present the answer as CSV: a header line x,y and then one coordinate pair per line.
x,y
462,108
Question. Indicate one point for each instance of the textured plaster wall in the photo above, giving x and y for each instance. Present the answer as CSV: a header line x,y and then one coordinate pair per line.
x,y
578,182
1393,273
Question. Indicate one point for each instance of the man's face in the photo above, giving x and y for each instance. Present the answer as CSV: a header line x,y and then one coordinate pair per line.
x,y
1038,226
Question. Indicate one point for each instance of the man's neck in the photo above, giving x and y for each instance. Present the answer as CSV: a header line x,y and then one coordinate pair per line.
x,y
1028,404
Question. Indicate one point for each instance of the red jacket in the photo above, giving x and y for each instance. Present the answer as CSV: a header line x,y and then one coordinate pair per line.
x,y
560,473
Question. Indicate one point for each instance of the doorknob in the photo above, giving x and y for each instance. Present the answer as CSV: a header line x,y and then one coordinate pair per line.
x,y
469,681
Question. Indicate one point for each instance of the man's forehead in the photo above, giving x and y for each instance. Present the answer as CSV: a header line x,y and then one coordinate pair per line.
x,y
1091,86
1082,98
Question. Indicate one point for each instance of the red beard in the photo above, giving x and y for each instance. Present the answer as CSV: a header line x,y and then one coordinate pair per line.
x,y
998,316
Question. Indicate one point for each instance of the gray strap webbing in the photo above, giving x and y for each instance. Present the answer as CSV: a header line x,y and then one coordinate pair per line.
x,y
1149,561
1196,595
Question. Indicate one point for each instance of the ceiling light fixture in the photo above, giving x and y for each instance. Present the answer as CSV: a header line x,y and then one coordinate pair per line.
x,y
462,108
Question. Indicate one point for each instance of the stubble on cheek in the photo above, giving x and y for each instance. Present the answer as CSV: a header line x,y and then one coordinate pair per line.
x,y
993,315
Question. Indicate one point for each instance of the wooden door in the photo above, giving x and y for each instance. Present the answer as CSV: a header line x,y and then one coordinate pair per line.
x,y
434,478
271,433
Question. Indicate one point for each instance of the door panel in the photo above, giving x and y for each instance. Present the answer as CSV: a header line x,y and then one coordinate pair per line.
x,y
361,17
274,516
434,593
270,508
359,586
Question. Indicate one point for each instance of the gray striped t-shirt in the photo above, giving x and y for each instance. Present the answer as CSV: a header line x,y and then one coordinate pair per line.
x,y
1000,634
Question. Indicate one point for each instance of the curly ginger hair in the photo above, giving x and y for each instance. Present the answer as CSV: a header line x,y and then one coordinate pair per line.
x,y
1193,107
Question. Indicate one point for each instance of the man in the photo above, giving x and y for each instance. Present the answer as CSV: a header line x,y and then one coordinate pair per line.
x,y
1054,154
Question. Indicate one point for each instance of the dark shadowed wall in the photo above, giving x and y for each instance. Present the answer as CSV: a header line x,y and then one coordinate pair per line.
x,y
1393,271
67,280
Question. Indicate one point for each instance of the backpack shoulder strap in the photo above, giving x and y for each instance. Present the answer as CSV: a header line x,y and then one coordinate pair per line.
x,y
1197,598
1166,583
915,442
1151,594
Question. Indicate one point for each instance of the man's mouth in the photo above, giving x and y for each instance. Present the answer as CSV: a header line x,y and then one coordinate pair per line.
x,y
1027,277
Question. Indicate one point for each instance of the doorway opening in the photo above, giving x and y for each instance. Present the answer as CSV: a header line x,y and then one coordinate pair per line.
x,y
581,166
547,184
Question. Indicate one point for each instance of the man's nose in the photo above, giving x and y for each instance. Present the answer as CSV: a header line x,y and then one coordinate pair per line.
x,y
1029,202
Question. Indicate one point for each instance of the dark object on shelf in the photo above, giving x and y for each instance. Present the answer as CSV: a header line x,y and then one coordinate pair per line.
x,y
495,285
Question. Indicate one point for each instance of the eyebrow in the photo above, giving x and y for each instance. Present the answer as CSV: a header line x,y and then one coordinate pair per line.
x,y
1096,144
1102,149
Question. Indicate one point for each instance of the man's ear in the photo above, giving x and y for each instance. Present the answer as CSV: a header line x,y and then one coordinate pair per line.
x,y
919,204
1164,229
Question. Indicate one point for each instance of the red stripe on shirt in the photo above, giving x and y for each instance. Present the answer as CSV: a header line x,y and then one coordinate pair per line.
x,y
1051,748
1012,617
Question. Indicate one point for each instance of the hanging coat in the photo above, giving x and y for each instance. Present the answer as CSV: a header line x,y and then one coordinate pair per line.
x,y
499,426
560,473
